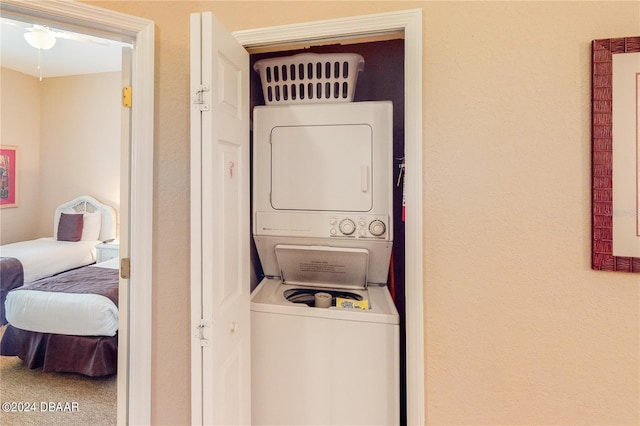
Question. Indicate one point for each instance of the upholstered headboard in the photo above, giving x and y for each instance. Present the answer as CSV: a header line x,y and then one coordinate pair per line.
x,y
87,204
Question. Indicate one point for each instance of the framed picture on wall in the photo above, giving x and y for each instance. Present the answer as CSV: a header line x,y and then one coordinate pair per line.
x,y
616,154
8,176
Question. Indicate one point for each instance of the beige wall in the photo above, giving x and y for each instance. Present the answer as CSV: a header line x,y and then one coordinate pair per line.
x,y
519,329
67,130
79,141
20,127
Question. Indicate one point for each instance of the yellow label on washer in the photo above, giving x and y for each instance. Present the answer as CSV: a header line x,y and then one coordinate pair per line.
x,y
343,303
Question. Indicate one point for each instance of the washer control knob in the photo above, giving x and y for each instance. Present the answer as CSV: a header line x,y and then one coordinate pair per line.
x,y
347,227
377,228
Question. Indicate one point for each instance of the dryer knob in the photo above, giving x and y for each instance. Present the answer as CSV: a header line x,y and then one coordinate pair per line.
x,y
347,226
377,228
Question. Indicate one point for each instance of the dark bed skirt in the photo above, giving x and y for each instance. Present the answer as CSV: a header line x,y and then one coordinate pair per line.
x,y
87,355
11,276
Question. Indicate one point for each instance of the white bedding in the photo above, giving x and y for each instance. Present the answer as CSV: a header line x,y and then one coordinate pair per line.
x,y
64,313
45,257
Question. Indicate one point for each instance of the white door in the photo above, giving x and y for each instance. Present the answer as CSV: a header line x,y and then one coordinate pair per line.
x,y
220,284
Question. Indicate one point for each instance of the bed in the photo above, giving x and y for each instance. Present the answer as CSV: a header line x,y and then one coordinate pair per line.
x,y
66,323
79,225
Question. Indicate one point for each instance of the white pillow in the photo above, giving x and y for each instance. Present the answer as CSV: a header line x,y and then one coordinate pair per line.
x,y
92,222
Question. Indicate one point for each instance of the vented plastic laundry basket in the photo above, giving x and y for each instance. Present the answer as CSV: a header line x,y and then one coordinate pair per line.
x,y
309,78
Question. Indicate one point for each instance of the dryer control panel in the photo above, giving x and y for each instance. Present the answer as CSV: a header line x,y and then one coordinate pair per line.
x,y
362,227
323,225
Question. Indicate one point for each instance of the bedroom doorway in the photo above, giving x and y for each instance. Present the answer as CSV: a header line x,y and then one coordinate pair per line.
x,y
134,380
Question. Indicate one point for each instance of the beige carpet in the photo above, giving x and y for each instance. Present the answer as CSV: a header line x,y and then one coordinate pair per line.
x,y
54,398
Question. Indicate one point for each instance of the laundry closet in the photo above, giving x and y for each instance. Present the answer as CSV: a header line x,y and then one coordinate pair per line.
x,y
375,243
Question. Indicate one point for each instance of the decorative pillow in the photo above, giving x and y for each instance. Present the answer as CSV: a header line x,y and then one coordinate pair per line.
x,y
92,223
68,210
70,227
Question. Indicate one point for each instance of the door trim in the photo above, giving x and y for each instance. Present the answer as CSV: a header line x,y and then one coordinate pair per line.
x,y
410,22
134,388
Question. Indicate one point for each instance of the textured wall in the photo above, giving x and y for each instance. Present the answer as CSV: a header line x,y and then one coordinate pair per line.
x,y
20,127
519,330
79,142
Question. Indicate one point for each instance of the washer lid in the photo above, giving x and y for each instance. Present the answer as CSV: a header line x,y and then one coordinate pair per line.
x,y
323,266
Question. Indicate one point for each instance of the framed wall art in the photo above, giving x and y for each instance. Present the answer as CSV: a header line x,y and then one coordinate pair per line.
x,y
8,176
616,154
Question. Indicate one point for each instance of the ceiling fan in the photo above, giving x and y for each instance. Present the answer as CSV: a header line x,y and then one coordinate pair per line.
x,y
44,37
40,37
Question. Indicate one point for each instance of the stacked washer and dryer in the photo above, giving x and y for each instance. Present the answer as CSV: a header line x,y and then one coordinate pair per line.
x,y
324,329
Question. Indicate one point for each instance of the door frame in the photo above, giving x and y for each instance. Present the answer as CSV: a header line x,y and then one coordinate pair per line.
x,y
410,23
134,355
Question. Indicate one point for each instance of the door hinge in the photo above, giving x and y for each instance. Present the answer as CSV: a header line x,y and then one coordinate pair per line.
x,y
199,332
125,268
199,97
126,96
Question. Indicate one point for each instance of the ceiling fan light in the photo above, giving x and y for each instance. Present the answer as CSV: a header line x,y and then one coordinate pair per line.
x,y
40,39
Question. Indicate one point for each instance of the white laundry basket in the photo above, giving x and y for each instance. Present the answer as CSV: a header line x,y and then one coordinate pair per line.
x,y
309,78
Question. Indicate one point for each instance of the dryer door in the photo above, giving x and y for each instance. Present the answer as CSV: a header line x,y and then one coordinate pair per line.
x,y
322,167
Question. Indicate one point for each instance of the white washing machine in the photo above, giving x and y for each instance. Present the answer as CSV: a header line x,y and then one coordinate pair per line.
x,y
324,366
324,330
